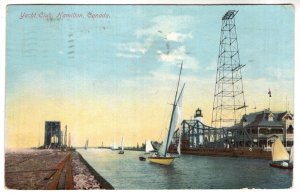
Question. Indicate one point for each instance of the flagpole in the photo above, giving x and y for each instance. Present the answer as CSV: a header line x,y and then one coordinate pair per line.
x,y
269,103
269,93
286,104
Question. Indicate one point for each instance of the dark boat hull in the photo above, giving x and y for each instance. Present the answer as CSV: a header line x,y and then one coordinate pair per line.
x,y
276,165
142,158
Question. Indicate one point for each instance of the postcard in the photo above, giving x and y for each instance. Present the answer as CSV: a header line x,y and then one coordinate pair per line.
x,y
149,96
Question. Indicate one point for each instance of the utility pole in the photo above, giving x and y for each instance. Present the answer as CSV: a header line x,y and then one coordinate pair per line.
x,y
66,133
69,140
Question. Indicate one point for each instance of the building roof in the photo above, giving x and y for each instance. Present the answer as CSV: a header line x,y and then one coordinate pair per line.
x,y
265,118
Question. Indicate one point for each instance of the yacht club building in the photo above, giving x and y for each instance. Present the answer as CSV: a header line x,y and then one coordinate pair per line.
x,y
266,125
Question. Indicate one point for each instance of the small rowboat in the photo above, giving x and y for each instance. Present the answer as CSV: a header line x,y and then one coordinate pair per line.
x,y
142,158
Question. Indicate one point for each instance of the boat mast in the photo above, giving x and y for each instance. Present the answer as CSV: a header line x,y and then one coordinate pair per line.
x,y
122,146
174,106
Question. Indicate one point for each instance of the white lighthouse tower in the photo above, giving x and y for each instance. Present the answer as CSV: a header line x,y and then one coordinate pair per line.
x,y
198,115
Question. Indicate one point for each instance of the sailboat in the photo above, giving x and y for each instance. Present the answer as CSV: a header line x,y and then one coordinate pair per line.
x,y
114,146
280,157
162,157
122,147
86,144
148,148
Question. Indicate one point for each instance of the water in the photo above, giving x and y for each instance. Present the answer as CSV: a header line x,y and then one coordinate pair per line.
x,y
188,172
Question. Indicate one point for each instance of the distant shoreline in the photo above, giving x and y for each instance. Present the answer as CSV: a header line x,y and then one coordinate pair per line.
x,y
133,149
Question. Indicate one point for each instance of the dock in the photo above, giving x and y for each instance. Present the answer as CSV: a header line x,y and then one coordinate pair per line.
x,y
230,152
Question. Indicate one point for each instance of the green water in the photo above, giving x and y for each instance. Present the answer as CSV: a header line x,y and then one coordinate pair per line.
x,y
188,172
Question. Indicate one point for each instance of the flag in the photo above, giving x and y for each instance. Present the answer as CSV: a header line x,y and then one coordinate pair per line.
x,y
269,93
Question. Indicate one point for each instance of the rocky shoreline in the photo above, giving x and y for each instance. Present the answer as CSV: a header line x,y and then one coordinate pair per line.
x,y
91,174
83,178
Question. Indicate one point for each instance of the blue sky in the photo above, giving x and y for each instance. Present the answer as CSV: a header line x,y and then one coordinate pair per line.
x,y
127,44
134,54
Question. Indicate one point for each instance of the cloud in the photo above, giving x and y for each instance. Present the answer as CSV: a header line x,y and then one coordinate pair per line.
x,y
179,54
166,24
174,31
178,37
134,49
168,30
175,55
128,55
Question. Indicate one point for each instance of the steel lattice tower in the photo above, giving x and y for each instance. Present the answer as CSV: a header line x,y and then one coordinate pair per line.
x,y
229,102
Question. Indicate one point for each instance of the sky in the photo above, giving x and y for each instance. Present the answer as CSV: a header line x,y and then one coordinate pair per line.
x,y
115,76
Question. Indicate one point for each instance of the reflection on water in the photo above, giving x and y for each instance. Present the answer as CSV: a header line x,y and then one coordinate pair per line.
x,y
188,172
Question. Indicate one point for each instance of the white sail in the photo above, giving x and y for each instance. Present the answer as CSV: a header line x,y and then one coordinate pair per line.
x,y
86,144
292,155
149,147
180,128
114,145
168,139
279,153
173,126
179,142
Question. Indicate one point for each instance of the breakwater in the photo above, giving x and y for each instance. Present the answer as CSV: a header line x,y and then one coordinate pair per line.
x,y
31,169
88,178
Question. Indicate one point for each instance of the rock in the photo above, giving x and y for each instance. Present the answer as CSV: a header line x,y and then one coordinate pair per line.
x,y
82,177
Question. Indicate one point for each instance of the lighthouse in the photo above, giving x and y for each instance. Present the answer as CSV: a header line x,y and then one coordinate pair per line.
x,y
199,124
198,115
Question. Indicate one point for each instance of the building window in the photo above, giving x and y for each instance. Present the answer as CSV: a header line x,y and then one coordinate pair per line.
x,y
276,131
270,117
290,130
290,143
263,131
